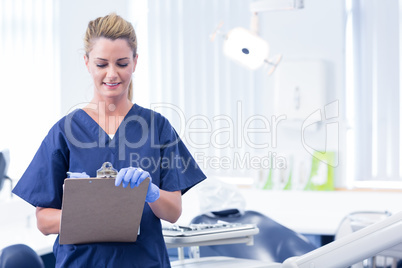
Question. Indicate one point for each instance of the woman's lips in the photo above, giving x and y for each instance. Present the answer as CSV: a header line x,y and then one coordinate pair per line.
x,y
111,85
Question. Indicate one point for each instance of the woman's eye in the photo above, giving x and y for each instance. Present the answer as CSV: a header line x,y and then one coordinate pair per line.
x,y
123,65
101,65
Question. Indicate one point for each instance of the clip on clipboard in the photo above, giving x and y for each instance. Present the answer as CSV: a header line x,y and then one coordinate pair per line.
x,y
95,210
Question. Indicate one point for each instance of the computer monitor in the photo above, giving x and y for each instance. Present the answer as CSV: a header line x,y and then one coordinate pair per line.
x,y
4,163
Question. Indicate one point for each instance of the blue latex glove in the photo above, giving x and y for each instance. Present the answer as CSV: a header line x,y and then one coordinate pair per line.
x,y
79,175
134,177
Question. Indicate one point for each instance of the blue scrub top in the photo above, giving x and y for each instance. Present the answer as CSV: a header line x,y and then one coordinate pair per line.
x,y
76,143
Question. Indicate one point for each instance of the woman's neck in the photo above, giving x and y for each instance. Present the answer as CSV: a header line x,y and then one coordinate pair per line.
x,y
108,113
112,106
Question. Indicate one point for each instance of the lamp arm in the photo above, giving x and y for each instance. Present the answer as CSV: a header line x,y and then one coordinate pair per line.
x,y
254,25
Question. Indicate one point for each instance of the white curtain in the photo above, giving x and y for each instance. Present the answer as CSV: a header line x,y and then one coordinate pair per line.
x,y
207,97
29,94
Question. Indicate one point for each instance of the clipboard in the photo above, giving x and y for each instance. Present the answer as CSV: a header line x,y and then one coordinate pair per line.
x,y
94,210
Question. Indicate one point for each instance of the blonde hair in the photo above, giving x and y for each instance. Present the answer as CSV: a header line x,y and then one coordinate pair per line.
x,y
112,27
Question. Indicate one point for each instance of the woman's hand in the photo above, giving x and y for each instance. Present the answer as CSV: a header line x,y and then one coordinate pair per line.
x,y
134,177
165,205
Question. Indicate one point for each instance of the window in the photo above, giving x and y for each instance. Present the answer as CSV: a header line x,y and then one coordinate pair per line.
x,y
373,93
29,102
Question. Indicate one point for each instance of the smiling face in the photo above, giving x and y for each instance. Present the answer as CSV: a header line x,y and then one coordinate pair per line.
x,y
111,64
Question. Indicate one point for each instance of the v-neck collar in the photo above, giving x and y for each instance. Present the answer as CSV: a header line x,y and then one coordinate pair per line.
x,y
100,132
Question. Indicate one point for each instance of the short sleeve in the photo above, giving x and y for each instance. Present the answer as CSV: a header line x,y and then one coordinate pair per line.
x,y
179,170
42,183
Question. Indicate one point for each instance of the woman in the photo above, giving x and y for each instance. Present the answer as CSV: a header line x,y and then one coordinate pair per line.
x,y
137,141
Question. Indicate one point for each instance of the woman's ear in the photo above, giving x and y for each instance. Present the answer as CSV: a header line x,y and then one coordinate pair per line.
x,y
86,59
135,62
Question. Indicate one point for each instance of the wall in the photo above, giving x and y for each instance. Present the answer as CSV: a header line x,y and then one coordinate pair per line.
x,y
315,32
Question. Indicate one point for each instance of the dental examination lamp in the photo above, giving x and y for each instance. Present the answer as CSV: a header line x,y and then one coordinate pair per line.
x,y
245,46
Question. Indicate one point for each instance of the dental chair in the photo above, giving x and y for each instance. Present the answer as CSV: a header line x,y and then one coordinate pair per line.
x,y
273,243
380,238
357,220
19,256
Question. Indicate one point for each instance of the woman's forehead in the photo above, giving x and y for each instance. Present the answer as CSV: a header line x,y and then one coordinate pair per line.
x,y
104,47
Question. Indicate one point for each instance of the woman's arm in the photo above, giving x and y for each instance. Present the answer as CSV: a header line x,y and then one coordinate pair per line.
x,y
168,206
48,220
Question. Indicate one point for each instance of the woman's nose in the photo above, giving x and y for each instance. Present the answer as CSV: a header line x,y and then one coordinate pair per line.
x,y
112,73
